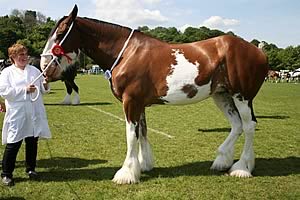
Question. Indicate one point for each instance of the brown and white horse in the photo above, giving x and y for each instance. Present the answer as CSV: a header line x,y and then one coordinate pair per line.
x,y
149,71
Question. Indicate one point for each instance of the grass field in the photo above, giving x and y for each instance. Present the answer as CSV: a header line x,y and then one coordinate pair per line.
x,y
89,146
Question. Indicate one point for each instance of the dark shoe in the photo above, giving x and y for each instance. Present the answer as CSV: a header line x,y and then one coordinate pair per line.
x,y
32,175
8,181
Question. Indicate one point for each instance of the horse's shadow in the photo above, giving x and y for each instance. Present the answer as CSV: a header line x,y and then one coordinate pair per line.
x,y
263,167
70,169
220,130
273,117
226,129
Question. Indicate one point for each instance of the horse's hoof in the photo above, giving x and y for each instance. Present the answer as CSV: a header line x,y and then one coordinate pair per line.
x,y
125,176
221,163
240,173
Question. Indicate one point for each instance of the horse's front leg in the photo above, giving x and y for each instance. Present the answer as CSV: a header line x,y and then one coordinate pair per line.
x,y
76,98
67,99
145,152
131,169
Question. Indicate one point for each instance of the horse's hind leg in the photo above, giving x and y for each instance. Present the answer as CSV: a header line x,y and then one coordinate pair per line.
x,y
224,159
145,152
245,165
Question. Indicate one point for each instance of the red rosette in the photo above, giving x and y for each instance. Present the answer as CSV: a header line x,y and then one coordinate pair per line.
x,y
57,50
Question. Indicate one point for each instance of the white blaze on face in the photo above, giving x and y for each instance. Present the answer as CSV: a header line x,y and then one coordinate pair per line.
x,y
184,74
46,55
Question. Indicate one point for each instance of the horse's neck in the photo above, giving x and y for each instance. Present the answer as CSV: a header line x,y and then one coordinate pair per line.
x,y
103,42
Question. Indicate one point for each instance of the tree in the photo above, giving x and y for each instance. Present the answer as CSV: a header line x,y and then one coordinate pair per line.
x,y
38,37
11,30
144,29
255,42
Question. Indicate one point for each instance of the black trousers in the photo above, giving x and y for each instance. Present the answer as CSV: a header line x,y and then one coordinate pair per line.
x,y
10,155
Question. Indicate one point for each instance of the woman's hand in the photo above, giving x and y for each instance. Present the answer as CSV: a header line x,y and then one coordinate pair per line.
x,y
30,88
46,85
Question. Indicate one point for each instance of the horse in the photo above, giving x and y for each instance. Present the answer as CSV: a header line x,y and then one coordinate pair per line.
x,y
273,76
5,63
69,81
144,71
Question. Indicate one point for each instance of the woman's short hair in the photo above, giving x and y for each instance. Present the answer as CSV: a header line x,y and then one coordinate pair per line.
x,y
15,49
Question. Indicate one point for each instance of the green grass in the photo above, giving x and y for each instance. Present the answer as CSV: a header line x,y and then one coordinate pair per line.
x,y
88,147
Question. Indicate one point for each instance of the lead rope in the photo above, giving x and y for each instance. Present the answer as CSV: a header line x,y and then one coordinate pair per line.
x,y
56,51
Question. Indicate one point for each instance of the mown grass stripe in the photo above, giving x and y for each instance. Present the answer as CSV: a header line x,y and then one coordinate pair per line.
x,y
116,117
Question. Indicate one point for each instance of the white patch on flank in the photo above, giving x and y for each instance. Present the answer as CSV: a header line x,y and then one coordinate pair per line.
x,y
184,73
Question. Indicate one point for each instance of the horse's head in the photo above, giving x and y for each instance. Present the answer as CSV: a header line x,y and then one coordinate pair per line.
x,y
62,48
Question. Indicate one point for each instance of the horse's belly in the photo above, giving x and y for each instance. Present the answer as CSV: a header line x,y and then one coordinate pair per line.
x,y
187,93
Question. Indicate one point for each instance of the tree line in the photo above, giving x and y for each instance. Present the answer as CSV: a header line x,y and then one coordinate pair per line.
x,y
32,29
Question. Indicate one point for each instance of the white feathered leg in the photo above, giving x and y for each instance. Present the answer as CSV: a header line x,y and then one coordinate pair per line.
x,y
225,153
67,100
76,99
245,165
145,153
131,170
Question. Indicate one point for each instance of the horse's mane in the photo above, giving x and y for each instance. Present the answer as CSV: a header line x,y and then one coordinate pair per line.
x,y
103,23
115,27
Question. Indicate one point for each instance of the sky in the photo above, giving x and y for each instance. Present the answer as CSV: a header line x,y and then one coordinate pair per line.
x,y
273,21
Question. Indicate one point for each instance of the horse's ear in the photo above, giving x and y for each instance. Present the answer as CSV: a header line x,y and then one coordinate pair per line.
x,y
74,12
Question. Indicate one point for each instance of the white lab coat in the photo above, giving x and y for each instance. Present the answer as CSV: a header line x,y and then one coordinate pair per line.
x,y
23,117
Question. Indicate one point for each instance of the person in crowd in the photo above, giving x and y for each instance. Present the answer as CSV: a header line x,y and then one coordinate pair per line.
x,y
25,117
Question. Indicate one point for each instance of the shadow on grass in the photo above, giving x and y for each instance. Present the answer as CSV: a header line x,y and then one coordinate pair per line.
x,y
272,117
67,162
63,163
227,130
220,130
277,166
264,167
12,198
81,104
66,169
